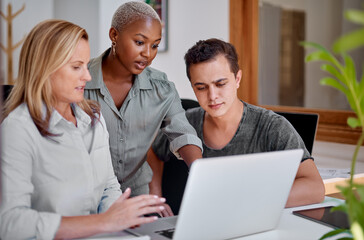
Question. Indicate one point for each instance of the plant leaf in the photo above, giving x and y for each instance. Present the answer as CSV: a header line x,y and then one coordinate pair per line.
x,y
314,45
333,71
353,122
355,16
342,208
350,70
334,232
357,231
319,55
334,83
349,41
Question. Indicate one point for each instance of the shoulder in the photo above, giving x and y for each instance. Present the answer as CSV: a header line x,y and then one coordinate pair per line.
x,y
19,114
196,112
19,123
261,114
195,116
157,77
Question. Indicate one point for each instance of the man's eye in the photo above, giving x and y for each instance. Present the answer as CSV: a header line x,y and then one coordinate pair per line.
x,y
220,84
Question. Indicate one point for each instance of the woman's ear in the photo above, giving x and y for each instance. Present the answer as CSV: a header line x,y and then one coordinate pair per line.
x,y
113,34
238,78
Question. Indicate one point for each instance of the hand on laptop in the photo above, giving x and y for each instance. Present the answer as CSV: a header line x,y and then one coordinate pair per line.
x,y
128,212
167,212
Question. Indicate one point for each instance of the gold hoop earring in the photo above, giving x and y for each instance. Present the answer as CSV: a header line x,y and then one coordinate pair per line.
x,y
113,48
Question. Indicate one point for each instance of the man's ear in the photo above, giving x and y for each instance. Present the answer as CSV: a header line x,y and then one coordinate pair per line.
x,y
238,78
113,34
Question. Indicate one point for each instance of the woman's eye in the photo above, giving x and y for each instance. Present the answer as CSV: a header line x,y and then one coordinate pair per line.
x,y
139,43
76,67
155,46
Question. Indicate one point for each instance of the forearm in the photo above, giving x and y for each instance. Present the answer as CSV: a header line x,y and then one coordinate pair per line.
x,y
190,153
305,192
308,187
157,166
80,226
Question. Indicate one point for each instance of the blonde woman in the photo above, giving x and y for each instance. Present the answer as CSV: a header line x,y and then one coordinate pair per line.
x,y
58,180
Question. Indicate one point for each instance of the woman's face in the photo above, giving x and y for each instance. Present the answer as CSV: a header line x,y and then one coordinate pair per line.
x,y
68,82
137,44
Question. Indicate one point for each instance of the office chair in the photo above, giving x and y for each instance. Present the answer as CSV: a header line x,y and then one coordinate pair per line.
x,y
6,89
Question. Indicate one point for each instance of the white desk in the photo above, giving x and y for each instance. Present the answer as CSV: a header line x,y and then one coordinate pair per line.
x,y
294,227
290,227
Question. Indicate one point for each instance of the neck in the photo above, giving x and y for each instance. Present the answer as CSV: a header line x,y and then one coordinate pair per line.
x,y
66,112
114,71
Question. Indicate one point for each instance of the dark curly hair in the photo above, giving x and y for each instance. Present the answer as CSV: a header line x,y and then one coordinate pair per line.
x,y
207,50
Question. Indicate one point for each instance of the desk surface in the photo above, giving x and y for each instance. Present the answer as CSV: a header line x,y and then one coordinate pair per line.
x,y
294,227
289,227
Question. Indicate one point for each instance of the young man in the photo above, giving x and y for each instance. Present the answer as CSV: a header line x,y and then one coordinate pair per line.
x,y
228,126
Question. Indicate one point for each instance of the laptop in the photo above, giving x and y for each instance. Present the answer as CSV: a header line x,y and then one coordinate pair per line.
x,y
231,196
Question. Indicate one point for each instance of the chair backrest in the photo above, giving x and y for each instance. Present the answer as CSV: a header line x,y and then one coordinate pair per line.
x,y
6,89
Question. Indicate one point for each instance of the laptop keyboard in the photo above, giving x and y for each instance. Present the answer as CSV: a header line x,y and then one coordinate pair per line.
x,y
168,233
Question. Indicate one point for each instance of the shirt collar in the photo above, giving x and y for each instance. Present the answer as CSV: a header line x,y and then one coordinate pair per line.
x,y
81,116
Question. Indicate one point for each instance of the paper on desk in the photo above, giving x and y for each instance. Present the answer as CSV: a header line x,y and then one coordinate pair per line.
x,y
334,172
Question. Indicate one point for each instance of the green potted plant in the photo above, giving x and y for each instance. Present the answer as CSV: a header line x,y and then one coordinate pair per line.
x,y
343,77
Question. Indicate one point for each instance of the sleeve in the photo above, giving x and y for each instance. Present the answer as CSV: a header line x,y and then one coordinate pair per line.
x,y
160,147
283,135
17,219
177,128
112,188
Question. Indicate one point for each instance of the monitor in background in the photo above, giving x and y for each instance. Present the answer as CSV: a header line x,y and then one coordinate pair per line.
x,y
305,124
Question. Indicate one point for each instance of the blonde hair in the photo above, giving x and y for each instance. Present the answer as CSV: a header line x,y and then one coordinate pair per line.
x,y
48,46
130,12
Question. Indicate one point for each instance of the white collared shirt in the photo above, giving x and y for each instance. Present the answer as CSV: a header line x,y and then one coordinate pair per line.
x,y
46,178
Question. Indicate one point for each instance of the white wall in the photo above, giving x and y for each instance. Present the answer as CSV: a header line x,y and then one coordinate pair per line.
x,y
34,12
188,22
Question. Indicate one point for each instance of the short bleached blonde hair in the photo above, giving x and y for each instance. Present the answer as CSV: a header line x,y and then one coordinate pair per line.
x,y
130,12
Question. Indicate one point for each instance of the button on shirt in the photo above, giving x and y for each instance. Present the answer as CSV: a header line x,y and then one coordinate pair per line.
x,y
45,178
152,103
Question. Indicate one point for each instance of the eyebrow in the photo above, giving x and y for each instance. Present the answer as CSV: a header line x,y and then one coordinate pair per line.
x,y
145,37
216,81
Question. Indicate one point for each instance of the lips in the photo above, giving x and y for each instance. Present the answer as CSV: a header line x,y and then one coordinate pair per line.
x,y
80,88
215,105
140,65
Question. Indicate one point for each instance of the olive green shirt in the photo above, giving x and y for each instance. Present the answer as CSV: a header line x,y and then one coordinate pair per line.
x,y
151,104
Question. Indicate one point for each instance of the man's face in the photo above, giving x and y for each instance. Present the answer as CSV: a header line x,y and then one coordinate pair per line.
x,y
215,85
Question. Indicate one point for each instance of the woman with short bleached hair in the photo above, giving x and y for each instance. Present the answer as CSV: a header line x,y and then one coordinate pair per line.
x,y
58,180
138,100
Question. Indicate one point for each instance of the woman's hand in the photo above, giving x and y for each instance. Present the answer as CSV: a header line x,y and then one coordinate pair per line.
x,y
128,212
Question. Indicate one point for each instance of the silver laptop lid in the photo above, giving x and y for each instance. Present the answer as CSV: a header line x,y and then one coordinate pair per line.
x,y
227,197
